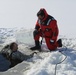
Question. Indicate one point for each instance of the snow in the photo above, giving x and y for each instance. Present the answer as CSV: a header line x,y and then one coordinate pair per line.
x,y
61,62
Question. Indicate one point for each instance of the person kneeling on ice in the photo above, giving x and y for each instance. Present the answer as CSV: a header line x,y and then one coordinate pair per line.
x,y
47,28
11,53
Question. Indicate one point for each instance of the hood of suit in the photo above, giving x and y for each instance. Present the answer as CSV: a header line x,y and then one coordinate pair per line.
x,y
44,12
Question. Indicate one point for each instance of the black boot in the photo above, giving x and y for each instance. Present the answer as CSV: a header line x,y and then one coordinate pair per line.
x,y
37,46
59,42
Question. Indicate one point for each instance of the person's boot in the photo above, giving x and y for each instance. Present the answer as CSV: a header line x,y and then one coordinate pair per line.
x,y
59,43
37,46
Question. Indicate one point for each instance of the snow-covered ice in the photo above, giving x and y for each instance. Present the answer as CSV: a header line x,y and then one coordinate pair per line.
x,y
45,63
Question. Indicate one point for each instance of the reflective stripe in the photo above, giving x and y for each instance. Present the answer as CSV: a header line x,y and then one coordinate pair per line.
x,y
48,21
39,22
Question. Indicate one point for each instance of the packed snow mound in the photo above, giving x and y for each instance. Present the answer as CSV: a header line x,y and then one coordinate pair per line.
x,y
44,63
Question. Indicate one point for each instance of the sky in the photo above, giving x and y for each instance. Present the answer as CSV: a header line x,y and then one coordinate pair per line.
x,y
22,13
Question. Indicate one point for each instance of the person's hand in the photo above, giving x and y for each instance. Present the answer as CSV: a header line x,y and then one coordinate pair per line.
x,y
33,54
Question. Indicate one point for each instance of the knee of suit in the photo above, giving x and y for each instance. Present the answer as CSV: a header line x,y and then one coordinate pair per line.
x,y
52,48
